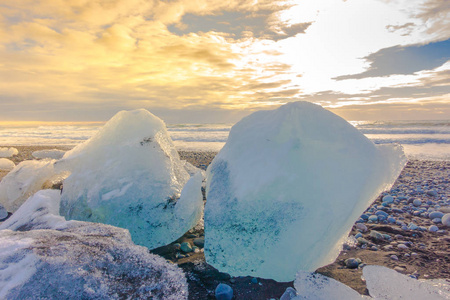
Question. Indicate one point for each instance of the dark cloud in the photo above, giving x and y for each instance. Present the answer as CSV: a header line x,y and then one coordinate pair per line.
x,y
404,60
237,25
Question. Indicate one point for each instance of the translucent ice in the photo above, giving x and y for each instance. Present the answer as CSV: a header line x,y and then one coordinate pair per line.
x,y
52,154
382,283
130,175
78,260
8,152
6,164
24,180
286,189
40,211
385,283
318,287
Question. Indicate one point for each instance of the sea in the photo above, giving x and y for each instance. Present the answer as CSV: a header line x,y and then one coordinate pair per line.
x,y
423,140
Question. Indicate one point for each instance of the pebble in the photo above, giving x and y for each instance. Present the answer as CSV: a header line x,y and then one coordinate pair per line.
x,y
417,202
254,280
388,199
412,226
400,269
364,217
186,247
376,235
358,235
394,257
223,292
362,241
391,220
435,214
200,242
446,220
432,193
402,246
361,227
373,218
433,228
352,263
437,220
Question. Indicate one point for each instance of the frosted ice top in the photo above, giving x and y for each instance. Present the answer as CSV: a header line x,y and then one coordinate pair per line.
x,y
130,175
286,189
42,256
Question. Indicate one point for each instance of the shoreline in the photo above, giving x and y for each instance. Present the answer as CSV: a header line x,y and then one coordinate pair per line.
x,y
425,256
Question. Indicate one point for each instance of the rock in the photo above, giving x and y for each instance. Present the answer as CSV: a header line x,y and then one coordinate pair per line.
x,y
362,241
373,218
254,280
186,247
376,235
400,269
432,193
361,227
223,292
436,220
435,214
351,263
365,217
412,226
394,257
381,213
402,246
200,242
417,202
388,199
358,235
445,210
446,220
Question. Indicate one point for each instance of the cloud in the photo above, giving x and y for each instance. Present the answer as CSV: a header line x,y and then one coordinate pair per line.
x,y
66,58
404,60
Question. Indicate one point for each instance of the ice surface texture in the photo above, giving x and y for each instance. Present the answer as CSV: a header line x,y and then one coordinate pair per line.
x,y
6,164
382,283
8,152
385,283
130,175
286,189
24,180
78,260
51,154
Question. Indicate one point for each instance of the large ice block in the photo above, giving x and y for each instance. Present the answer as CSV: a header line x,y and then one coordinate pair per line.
x,y
42,256
130,175
287,187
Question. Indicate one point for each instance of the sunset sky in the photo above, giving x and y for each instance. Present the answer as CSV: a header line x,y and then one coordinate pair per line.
x,y
201,61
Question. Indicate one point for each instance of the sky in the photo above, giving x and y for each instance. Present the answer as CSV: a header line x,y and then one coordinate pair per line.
x,y
204,61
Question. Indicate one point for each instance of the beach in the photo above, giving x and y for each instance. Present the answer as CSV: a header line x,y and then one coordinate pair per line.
x,y
424,253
